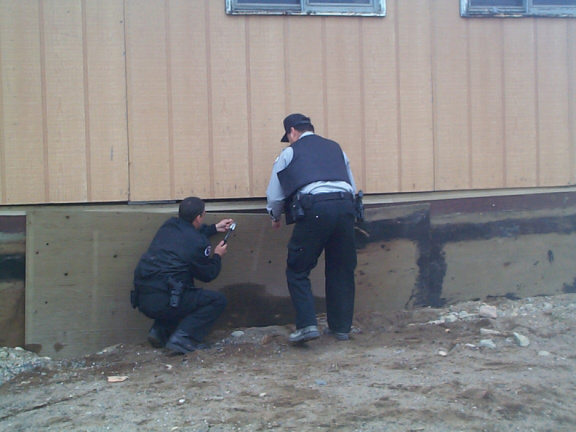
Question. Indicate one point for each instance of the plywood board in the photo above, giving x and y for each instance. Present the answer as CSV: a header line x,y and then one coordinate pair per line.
x,y
381,94
386,276
572,95
23,176
63,59
151,151
416,116
192,173
267,96
305,65
452,162
12,313
521,138
345,90
80,266
486,69
229,114
515,265
553,104
105,104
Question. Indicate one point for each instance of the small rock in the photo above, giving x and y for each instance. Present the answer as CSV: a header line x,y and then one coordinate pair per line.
x,y
237,333
543,353
487,343
442,353
450,318
488,311
521,340
486,332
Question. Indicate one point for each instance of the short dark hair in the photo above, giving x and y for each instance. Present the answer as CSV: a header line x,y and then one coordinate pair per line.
x,y
305,127
190,208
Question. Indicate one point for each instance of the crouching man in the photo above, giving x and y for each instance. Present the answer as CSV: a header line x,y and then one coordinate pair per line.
x,y
164,287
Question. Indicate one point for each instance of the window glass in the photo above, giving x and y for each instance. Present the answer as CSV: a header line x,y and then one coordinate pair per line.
x,y
344,2
307,7
269,2
518,8
554,2
496,3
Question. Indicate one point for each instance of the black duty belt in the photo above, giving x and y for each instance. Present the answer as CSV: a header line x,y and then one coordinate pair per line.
x,y
332,196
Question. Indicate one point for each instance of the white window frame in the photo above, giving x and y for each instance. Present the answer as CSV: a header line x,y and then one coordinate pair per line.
x,y
528,9
308,7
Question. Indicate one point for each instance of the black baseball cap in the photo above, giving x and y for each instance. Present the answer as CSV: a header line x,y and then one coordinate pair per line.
x,y
294,120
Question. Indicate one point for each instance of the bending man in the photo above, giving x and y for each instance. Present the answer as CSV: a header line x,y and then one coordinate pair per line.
x,y
312,183
164,287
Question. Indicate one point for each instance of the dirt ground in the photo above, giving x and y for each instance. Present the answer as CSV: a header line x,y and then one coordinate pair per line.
x,y
498,365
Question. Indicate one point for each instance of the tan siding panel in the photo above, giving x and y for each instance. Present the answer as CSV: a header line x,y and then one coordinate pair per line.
x,y
22,177
150,149
345,101
520,103
106,102
553,123
571,53
65,109
305,66
451,101
190,104
417,158
486,115
380,105
229,103
267,96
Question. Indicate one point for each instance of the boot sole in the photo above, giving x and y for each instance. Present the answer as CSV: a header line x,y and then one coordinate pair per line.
x,y
177,348
306,337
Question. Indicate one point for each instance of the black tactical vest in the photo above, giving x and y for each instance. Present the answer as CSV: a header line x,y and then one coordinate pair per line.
x,y
315,159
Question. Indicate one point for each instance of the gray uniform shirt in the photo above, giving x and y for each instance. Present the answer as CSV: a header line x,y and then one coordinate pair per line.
x,y
275,194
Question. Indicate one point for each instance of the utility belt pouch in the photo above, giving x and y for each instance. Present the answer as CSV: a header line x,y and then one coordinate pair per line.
x,y
176,290
297,209
134,297
359,205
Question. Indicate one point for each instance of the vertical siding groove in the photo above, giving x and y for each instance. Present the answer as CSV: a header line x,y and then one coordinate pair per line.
x,y
126,61
469,111
324,81
571,34
88,149
434,89
209,92
398,95
249,121
503,102
169,99
45,144
360,177
537,102
288,91
3,178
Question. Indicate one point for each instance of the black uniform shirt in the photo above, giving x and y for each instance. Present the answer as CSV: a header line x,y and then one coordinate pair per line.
x,y
180,251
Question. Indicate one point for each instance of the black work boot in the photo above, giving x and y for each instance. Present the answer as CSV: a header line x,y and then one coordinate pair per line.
x,y
157,336
181,343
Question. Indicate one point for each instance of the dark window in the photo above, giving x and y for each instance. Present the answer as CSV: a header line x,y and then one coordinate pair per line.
x,y
307,7
518,8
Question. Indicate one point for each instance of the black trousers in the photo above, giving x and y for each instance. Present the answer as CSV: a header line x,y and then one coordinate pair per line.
x,y
327,226
195,315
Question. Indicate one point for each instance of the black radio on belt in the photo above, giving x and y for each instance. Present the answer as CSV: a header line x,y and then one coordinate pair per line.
x,y
176,290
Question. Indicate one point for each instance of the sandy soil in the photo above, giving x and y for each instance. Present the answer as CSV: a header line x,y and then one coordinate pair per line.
x,y
421,370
